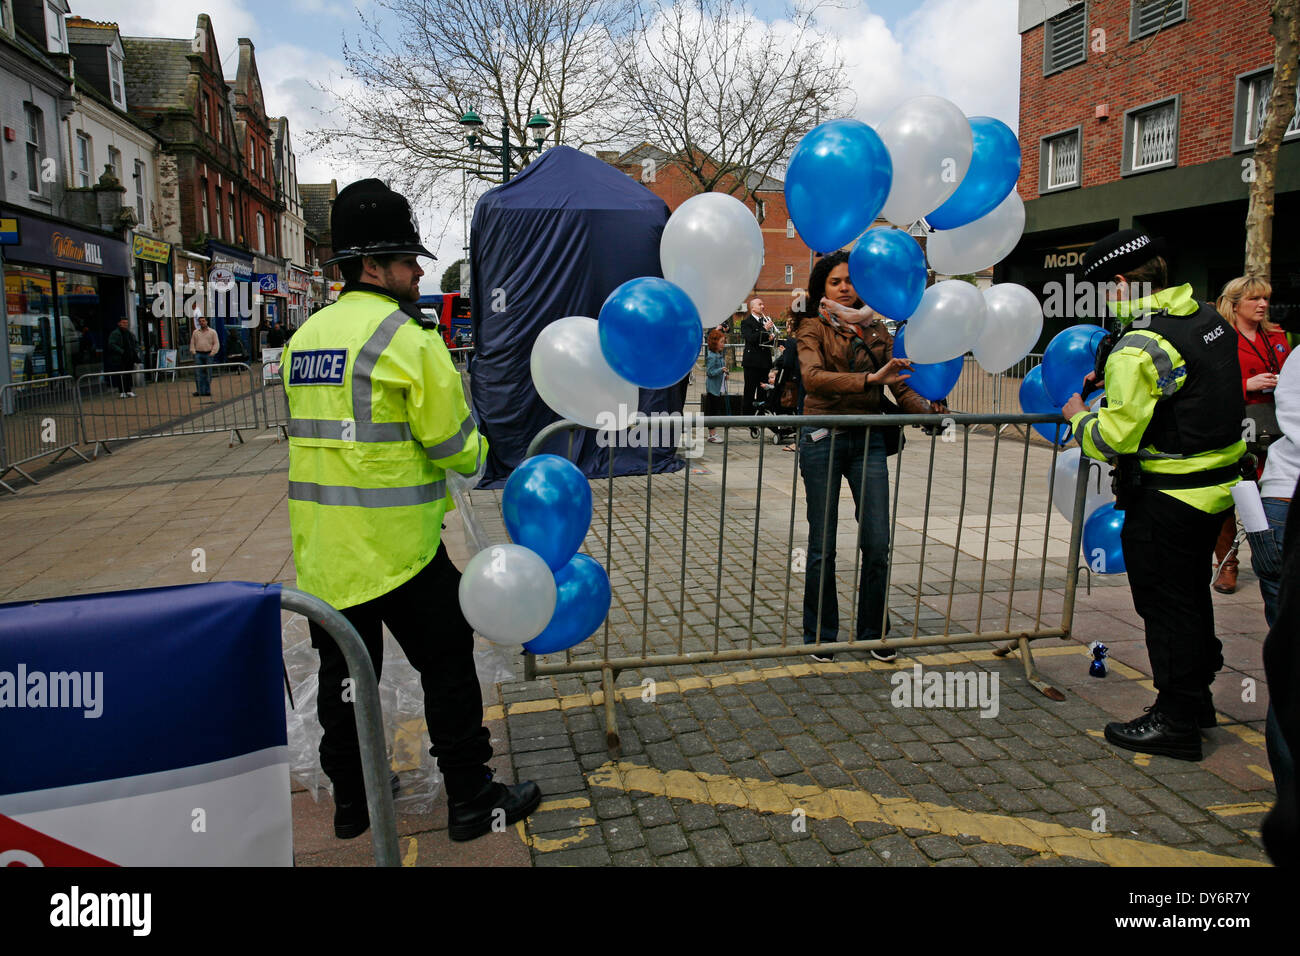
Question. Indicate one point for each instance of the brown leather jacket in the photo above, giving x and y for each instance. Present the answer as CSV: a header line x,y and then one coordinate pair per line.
x,y
831,389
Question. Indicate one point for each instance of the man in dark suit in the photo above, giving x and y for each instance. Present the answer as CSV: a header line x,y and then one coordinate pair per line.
x,y
759,333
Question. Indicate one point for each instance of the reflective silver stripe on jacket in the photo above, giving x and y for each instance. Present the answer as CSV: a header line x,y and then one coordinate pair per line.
x,y
348,496
364,428
361,431
1090,425
1167,376
450,446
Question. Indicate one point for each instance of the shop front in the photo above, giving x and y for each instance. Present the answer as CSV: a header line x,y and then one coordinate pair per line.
x,y
299,300
152,259
273,290
65,290
191,284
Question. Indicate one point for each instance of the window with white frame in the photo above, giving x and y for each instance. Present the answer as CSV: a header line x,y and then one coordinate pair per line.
x,y
115,162
221,123
207,114
1060,165
56,32
35,146
85,159
789,275
230,215
203,204
760,209
261,233
116,83
139,191
1151,137
1066,39
789,228
218,210
1151,16
1254,90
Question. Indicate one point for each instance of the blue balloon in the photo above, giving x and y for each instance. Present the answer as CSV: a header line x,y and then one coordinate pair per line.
x,y
1103,550
547,508
1034,400
582,598
888,272
1068,358
650,332
929,381
837,183
994,169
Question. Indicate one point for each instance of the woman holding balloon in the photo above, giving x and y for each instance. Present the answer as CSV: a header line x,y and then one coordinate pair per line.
x,y
845,361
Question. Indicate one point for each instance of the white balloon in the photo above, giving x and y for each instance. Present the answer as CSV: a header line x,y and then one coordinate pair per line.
x,y
572,376
929,142
712,248
507,594
1067,473
980,244
947,323
1015,321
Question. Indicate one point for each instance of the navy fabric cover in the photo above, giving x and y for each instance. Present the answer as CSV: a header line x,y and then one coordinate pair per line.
x,y
553,242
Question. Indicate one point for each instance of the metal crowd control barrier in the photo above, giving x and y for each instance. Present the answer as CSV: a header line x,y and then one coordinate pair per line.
x,y
369,716
983,393
934,589
167,403
38,418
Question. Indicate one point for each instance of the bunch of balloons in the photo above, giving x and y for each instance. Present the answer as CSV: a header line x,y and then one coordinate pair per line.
x,y
925,161
1067,360
649,329
539,591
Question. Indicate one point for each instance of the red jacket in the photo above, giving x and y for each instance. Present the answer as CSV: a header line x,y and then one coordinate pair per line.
x,y
1266,354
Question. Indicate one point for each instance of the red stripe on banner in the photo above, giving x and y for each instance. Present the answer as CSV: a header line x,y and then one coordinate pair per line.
x,y
22,846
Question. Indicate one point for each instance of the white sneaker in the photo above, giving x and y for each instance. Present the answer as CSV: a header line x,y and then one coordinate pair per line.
x,y
131,394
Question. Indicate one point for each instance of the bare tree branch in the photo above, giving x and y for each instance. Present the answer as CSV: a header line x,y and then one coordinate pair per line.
x,y
1281,109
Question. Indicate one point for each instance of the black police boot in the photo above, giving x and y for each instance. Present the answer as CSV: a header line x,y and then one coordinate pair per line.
x,y
1155,732
495,805
351,816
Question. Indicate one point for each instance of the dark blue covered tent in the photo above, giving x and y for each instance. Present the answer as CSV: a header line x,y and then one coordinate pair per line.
x,y
555,241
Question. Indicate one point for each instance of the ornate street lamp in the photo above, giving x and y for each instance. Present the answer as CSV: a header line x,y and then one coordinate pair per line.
x,y
473,124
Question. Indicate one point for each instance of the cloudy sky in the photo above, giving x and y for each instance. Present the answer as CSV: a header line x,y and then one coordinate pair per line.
x,y
965,50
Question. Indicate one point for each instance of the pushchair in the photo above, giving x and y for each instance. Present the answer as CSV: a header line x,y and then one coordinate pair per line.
x,y
768,402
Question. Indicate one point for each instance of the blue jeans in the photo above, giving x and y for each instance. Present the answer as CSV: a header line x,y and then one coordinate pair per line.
x,y
1266,555
202,377
822,468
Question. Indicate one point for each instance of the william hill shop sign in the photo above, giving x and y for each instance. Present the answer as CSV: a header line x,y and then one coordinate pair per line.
x,y
69,248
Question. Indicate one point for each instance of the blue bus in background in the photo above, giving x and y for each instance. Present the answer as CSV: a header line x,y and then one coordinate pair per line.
x,y
452,311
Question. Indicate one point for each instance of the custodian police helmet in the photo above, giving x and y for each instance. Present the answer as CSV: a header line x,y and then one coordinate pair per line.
x,y
369,219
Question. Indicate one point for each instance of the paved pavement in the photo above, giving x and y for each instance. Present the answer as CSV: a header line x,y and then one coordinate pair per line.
x,y
773,762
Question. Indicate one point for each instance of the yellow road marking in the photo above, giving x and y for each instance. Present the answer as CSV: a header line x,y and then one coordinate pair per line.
x,y
412,851
1251,736
1239,809
1261,772
572,803
856,806
544,845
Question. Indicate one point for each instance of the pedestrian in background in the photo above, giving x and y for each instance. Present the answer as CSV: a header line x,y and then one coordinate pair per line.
x,y
121,355
1262,350
759,333
715,382
205,345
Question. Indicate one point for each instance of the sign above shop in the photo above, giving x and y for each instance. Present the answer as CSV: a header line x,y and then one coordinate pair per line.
x,y
268,282
9,231
155,250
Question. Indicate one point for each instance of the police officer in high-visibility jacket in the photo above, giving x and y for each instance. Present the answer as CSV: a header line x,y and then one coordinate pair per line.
x,y
377,419
1172,424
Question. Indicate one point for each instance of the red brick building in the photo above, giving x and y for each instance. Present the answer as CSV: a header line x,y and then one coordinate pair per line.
x,y
253,134
1143,114
786,260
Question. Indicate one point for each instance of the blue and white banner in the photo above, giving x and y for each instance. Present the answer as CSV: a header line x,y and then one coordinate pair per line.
x,y
145,728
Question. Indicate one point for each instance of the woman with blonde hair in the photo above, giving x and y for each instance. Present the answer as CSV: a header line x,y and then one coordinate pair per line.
x,y
1262,349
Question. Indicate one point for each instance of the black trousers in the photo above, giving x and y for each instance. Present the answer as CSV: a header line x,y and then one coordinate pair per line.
x,y
1168,546
424,617
755,375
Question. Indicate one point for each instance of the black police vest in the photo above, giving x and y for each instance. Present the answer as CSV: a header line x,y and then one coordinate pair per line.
x,y
1206,413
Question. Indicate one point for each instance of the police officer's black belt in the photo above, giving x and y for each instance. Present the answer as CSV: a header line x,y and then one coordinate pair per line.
x,y
1196,479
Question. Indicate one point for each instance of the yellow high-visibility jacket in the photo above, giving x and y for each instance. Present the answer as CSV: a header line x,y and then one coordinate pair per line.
x,y
1145,368
377,417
